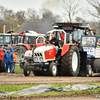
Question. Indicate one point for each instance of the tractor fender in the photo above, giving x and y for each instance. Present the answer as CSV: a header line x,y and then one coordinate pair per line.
x,y
28,47
65,49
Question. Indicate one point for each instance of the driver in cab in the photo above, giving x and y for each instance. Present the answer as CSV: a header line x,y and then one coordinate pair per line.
x,y
54,41
89,43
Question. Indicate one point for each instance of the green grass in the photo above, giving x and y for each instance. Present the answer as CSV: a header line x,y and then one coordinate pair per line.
x,y
10,88
18,69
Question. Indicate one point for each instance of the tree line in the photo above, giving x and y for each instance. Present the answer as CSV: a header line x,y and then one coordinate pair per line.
x,y
70,10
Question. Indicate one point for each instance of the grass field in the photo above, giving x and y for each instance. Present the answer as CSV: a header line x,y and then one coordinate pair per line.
x,y
18,69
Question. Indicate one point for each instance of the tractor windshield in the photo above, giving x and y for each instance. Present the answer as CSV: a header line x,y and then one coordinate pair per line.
x,y
30,40
15,39
7,39
1,39
77,34
88,41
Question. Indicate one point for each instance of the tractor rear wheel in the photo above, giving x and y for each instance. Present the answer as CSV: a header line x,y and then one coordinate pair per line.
x,y
20,52
2,67
96,66
70,62
26,71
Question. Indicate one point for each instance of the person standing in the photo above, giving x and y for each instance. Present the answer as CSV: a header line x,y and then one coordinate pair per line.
x,y
1,55
14,61
8,58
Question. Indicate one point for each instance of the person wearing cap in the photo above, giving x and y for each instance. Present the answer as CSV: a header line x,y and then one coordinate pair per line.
x,y
14,61
1,55
79,46
8,58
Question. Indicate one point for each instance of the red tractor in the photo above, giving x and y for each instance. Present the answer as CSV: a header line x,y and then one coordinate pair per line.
x,y
66,61
26,42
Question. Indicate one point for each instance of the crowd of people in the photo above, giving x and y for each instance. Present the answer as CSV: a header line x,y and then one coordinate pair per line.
x,y
10,57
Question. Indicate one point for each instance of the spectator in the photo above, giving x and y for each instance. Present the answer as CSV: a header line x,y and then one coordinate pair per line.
x,y
1,55
14,61
54,41
79,46
98,44
9,46
8,58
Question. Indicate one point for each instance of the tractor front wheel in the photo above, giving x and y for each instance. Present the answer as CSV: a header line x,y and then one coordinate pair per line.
x,y
26,71
53,69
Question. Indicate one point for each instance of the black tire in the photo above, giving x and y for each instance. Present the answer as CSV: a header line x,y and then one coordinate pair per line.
x,y
2,67
96,66
20,53
53,69
67,67
89,71
26,71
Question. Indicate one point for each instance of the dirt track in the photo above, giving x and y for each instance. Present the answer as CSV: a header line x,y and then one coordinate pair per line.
x,y
10,78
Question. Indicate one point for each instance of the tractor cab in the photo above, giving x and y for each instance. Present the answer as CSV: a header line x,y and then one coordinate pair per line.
x,y
89,44
5,39
67,32
15,38
28,37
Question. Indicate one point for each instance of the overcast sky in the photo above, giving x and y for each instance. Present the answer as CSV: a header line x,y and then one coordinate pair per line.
x,y
17,5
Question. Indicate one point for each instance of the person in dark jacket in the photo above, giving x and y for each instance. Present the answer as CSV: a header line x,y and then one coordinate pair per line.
x,y
79,46
8,58
54,41
1,55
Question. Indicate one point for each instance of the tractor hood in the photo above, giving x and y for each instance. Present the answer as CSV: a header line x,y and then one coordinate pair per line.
x,y
43,48
44,53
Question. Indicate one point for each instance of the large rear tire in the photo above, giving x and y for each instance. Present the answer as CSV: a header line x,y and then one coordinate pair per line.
x,y
96,66
70,62
26,71
20,53
2,67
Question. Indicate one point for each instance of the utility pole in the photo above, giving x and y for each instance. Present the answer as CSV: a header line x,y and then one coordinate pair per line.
x,y
4,29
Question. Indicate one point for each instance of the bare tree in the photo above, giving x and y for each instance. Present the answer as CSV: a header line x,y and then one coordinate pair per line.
x,y
70,8
96,5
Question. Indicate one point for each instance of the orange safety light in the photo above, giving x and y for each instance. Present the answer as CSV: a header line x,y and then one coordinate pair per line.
x,y
70,21
52,23
64,21
24,31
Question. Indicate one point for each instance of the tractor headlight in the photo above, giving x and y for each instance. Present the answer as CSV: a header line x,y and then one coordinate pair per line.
x,y
41,59
35,59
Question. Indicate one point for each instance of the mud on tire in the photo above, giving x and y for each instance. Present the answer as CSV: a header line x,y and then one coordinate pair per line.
x,y
70,62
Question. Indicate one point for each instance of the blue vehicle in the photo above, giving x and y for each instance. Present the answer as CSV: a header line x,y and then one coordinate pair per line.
x,y
5,39
90,58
